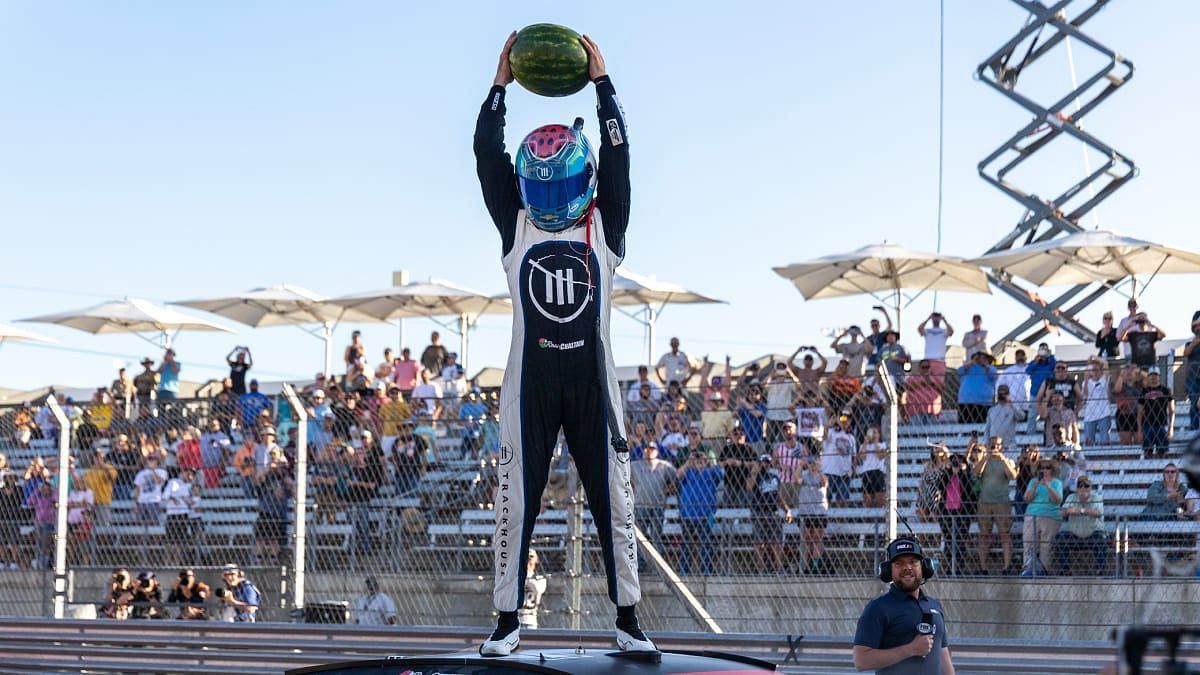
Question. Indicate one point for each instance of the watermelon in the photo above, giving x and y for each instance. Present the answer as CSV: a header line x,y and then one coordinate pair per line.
x,y
548,60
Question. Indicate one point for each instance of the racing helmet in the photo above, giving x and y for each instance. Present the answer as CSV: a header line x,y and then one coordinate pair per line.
x,y
556,171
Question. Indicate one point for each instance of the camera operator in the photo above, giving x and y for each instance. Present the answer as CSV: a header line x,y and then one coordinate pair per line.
x,y
147,598
120,595
239,597
190,594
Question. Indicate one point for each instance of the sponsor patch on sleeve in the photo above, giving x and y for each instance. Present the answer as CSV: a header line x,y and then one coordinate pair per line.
x,y
614,131
496,101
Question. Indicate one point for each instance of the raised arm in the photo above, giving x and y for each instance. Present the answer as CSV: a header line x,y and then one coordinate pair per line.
x,y
612,181
493,165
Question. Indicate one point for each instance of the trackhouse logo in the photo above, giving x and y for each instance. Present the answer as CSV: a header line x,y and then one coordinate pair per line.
x,y
557,285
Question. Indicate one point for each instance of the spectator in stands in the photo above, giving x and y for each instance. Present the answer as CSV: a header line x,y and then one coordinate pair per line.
x,y
936,336
877,338
177,496
672,439
386,370
977,388
1191,355
957,487
894,356
781,399
1084,529
148,491
838,452
118,605
808,377
695,444
1156,416
433,357
1057,414
1002,418
366,477
243,463
190,595
122,390
710,383
127,461
1126,323
214,453
454,378
789,453
698,482
273,487
994,474
100,478
376,608
535,588
716,420
639,438
872,467
168,377
975,340
224,410
1071,460
1016,378
1044,367
408,453
1127,392
843,386
23,427
1095,409
427,398
752,416
355,356
653,480
1142,337
736,460
145,383
1107,339
923,395
766,501
240,361
393,413
187,450
856,352
80,505
1042,519
12,517
251,404
643,409
812,508
43,502
810,423
751,375
1026,470
930,493
240,597
1165,497
675,366
643,381
147,598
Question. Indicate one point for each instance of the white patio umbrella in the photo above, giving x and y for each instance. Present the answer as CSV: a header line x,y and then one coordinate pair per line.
x,y
653,294
884,268
282,305
131,315
1095,255
15,333
433,298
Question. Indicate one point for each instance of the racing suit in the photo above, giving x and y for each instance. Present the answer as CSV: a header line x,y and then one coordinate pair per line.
x,y
560,370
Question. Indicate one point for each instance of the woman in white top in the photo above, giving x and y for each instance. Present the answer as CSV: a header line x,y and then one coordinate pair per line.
x,y
812,508
1096,413
872,467
80,502
781,391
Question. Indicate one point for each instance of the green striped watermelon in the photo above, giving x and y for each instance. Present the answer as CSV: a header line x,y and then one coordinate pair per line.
x,y
548,60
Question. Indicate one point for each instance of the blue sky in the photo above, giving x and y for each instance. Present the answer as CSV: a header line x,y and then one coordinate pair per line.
x,y
188,149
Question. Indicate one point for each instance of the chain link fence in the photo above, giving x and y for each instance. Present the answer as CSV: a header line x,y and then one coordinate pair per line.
x,y
768,497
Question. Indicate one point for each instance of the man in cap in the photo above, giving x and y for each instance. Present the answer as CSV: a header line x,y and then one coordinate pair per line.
x,y
1191,355
936,331
168,377
239,596
190,595
145,383
147,598
903,630
1156,416
251,404
376,608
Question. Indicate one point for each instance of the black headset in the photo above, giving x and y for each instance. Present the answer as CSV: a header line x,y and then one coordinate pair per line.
x,y
904,546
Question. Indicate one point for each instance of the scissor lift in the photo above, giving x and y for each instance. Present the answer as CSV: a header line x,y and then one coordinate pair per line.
x,y
1045,218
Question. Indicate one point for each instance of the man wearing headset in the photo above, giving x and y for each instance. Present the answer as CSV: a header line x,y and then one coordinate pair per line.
x,y
903,631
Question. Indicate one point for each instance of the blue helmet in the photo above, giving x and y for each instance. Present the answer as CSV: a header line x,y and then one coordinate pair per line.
x,y
556,171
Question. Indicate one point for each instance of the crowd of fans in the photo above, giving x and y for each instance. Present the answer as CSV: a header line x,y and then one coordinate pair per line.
x,y
784,440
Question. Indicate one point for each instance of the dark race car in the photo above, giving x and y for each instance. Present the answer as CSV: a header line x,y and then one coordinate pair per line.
x,y
552,662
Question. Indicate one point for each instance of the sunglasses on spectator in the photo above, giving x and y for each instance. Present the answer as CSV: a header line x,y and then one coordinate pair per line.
x,y
1170,471
1060,367
1084,485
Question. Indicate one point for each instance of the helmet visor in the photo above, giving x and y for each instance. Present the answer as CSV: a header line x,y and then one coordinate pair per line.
x,y
553,194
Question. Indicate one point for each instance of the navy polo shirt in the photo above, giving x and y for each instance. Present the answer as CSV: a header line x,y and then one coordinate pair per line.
x,y
891,621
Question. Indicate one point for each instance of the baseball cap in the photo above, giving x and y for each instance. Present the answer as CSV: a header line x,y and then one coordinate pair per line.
x,y
903,547
1153,370
230,568
318,393
765,457
146,576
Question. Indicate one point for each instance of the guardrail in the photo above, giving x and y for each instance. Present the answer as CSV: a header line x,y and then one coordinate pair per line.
x,y
41,645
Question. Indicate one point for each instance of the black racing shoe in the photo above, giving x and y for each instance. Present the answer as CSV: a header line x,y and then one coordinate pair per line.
x,y
505,638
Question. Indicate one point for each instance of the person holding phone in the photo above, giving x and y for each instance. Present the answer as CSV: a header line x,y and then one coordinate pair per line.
x,y
1042,518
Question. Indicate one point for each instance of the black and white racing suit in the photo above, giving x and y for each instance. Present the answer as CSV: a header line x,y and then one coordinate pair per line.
x,y
560,369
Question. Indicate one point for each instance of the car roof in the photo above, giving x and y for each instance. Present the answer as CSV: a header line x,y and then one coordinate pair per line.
x,y
552,662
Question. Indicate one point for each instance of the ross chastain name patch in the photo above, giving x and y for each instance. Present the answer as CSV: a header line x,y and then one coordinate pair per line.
x,y
550,344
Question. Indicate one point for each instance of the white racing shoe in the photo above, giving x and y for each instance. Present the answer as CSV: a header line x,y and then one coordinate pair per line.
x,y
504,639
630,638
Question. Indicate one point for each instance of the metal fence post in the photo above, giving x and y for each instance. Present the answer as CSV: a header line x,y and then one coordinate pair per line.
x,y
60,520
301,497
893,397
575,552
